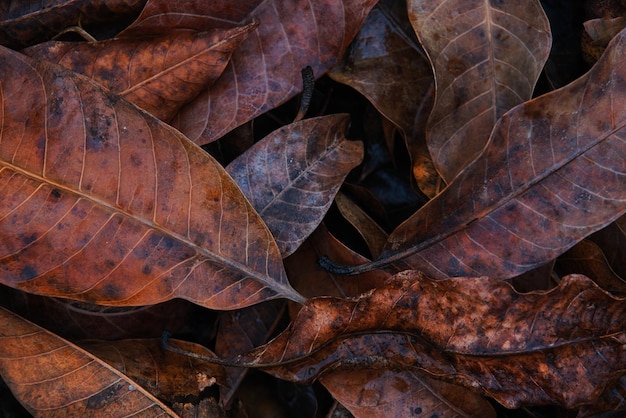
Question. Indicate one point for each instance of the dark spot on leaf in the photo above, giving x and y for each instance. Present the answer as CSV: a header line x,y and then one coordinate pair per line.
x,y
146,269
136,160
456,67
417,410
109,263
27,239
28,272
105,397
434,416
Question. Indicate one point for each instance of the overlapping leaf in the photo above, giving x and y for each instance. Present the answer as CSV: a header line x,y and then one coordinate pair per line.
x,y
158,75
552,173
487,57
265,70
103,203
52,377
292,175
477,332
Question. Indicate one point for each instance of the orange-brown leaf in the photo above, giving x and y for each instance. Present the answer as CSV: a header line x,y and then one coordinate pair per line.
x,y
104,203
159,74
478,332
52,377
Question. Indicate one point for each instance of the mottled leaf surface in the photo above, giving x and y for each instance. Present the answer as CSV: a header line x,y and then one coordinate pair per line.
x,y
265,70
104,203
487,57
552,173
52,377
292,175
159,75
477,332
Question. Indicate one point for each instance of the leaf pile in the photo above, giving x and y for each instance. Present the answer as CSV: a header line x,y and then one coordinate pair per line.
x,y
442,234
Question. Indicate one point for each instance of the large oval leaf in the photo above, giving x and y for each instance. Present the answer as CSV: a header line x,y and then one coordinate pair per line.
x,y
52,377
104,203
292,175
553,172
487,57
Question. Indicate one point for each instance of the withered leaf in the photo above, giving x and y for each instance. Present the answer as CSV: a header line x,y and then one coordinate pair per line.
x,y
370,393
292,175
265,70
52,377
164,374
552,173
159,74
520,349
106,204
487,57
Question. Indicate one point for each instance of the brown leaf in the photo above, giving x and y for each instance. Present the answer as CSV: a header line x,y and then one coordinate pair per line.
x,y
520,349
106,204
164,374
159,75
612,241
487,57
373,235
373,393
292,175
24,23
265,70
52,377
551,174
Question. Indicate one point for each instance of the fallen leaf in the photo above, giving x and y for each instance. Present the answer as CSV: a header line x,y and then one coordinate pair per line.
x,y
164,374
106,204
551,174
520,349
24,23
158,75
487,57
292,175
384,393
52,377
265,70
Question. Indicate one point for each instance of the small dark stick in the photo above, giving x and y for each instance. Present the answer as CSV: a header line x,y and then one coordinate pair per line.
x,y
308,82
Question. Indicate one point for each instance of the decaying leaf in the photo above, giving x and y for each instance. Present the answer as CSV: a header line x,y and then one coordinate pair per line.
x,y
477,332
292,175
159,74
552,173
487,57
52,377
265,70
106,204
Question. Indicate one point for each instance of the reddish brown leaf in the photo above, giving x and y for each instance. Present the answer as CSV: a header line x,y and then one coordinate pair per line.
x,y
158,75
24,23
602,31
104,203
265,70
552,173
383,393
612,241
292,175
164,374
52,377
519,349
487,57
373,235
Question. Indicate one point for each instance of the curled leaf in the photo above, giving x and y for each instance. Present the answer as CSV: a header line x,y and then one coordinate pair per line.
x,y
520,349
